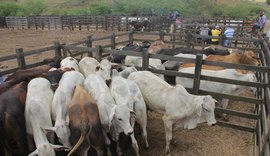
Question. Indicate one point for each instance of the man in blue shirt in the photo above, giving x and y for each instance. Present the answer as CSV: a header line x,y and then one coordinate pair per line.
x,y
260,22
229,35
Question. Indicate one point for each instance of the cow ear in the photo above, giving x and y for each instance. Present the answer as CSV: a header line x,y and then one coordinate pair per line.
x,y
132,118
34,153
59,147
49,129
199,108
111,115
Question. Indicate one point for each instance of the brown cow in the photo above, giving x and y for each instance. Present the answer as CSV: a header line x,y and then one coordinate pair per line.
x,y
12,121
247,57
85,124
156,46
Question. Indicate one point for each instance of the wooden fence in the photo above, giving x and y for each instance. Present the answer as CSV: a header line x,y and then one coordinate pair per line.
x,y
119,23
260,116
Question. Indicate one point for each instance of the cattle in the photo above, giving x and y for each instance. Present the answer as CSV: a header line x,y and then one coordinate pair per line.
x,y
247,57
138,47
126,92
110,113
69,62
156,46
217,86
12,121
85,123
179,108
59,106
38,116
89,65
26,75
136,25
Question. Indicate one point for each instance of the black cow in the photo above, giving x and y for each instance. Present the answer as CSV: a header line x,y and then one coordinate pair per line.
x,y
136,25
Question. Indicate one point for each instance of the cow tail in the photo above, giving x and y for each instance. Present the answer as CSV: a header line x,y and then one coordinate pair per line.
x,y
85,130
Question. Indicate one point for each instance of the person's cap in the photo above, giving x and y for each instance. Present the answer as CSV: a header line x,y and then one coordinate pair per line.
x,y
217,27
205,25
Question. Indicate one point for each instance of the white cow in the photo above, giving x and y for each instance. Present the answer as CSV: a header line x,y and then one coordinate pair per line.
x,y
126,92
69,62
175,103
110,113
61,100
37,115
153,63
89,65
217,86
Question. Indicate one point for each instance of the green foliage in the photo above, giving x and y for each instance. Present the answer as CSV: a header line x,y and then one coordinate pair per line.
x,y
9,9
33,7
99,8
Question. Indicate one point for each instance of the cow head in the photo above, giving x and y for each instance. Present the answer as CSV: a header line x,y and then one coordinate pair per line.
x,y
205,109
54,77
63,133
104,69
249,57
121,117
46,149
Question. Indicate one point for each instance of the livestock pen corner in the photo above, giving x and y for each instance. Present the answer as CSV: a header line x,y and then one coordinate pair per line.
x,y
256,120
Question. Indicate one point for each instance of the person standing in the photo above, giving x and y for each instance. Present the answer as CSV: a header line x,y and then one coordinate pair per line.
x,y
229,35
204,32
215,32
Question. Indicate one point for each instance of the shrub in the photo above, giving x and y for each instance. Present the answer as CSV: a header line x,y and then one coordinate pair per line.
x,y
9,9
33,7
99,8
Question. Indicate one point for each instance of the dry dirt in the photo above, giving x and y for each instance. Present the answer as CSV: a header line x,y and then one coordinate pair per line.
x,y
202,141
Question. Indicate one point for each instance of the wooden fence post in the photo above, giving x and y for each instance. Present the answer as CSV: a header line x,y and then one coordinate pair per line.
x,y
130,37
106,22
57,50
98,53
189,38
127,23
145,59
161,35
64,51
222,39
20,58
113,41
197,74
89,44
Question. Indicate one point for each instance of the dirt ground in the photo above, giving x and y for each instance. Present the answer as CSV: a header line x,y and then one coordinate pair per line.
x,y
202,141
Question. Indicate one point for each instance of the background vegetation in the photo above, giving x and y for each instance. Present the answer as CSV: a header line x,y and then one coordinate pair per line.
x,y
132,7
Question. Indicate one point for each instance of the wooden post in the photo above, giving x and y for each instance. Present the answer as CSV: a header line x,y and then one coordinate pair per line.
x,y
64,51
57,50
89,44
130,37
145,59
197,74
106,22
98,53
222,39
127,23
189,37
20,58
113,41
161,35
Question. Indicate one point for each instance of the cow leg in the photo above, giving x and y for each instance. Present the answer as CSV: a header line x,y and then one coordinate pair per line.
x,y
174,140
168,124
107,143
144,132
135,144
224,104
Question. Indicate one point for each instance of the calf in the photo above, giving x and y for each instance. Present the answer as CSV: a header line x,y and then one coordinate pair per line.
x,y
60,102
84,118
217,86
110,113
126,92
12,121
38,115
179,108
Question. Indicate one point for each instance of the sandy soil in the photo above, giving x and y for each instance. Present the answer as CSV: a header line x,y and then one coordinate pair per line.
x,y
202,141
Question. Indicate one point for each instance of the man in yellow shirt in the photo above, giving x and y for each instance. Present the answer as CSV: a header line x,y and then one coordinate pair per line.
x,y
215,32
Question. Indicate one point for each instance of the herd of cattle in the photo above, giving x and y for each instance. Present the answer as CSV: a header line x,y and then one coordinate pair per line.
x,y
80,106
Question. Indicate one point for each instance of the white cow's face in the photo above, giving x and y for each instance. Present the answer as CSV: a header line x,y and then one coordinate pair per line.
x,y
104,69
121,120
63,134
207,110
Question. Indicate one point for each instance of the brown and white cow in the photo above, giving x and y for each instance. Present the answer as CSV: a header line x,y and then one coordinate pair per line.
x,y
86,130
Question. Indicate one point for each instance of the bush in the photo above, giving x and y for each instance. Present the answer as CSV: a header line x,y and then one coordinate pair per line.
x,y
9,9
99,8
33,7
